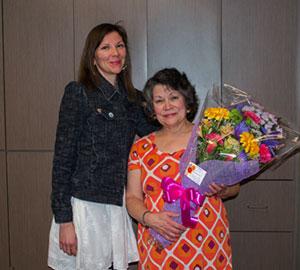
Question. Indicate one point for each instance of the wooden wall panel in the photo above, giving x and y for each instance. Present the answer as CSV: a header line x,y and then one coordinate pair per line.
x,y
186,35
38,63
4,247
29,177
297,209
263,206
260,250
132,13
259,50
2,126
285,172
258,54
297,175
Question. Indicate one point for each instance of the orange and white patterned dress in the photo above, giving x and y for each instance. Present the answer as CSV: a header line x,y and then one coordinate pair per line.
x,y
207,246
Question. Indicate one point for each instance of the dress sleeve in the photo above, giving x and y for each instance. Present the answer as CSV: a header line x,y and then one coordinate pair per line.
x,y
65,153
134,159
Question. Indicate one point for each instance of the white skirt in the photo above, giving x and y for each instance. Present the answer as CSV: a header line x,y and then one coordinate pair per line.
x,y
104,236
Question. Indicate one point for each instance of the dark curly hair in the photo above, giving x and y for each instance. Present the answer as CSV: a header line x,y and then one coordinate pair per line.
x,y
174,80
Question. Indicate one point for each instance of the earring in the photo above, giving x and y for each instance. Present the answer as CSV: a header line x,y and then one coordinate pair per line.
x,y
124,67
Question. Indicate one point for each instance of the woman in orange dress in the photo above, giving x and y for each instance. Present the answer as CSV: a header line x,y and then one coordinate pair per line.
x,y
172,101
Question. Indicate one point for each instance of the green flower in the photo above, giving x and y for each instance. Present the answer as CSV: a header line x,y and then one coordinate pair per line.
x,y
235,116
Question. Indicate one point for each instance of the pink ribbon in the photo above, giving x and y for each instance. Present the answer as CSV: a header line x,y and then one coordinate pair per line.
x,y
173,191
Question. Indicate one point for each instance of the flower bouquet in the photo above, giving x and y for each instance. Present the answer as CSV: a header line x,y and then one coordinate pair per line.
x,y
233,138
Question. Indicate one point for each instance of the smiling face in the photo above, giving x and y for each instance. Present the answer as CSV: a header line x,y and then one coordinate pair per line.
x,y
110,56
169,106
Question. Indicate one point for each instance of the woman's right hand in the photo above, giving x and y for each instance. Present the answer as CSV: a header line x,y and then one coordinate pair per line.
x,y
163,223
67,238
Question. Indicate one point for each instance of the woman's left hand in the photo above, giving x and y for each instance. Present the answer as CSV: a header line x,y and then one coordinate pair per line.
x,y
163,223
216,190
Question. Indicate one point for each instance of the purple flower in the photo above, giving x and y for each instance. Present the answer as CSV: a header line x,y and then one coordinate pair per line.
x,y
240,128
271,143
263,130
240,106
242,156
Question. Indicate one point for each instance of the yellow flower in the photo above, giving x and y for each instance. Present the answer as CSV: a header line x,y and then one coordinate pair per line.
x,y
216,113
249,143
206,123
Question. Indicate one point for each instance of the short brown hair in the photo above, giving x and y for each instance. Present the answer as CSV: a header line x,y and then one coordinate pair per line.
x,y
174,80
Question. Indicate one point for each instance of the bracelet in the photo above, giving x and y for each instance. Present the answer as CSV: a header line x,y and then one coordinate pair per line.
x,y
143,216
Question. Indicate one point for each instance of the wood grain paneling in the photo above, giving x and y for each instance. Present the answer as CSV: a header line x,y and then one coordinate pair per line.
x,y
262,250
38,63
132,13
2,126
297,208
258,54
297,174
4,247
263,206
259,50
29,177
186,35
284,171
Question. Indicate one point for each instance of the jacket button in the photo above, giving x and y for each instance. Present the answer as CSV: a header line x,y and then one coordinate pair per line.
x,y
111,115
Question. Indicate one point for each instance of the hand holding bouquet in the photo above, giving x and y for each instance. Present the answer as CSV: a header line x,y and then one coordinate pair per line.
x,y
233,138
